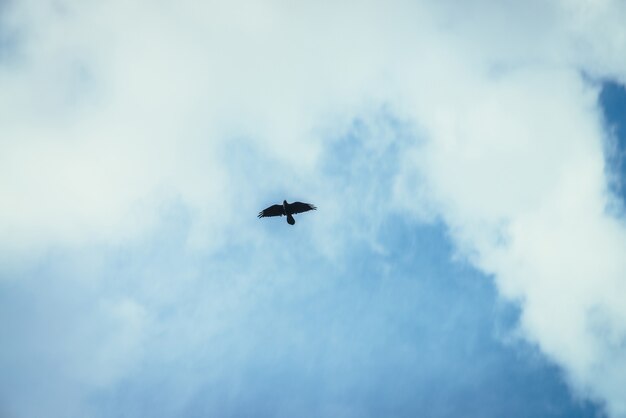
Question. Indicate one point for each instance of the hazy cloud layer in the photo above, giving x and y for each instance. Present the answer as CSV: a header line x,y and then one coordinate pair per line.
x,y
111,112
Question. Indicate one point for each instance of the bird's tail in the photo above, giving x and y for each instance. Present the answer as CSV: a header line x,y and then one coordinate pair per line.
x,y
290,220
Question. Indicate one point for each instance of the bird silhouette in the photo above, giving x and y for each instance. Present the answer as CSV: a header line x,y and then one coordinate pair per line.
x,y
287,209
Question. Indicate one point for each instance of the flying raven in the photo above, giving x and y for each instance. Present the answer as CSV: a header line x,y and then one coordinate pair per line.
x,y
287,209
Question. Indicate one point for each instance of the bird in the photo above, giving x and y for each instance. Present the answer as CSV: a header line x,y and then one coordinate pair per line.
x,y
287,209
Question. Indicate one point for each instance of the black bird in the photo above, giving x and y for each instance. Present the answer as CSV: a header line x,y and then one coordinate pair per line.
x,y
287,209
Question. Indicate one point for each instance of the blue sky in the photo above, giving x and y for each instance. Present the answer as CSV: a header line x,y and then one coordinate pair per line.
x,y
613,101
466,257
399,329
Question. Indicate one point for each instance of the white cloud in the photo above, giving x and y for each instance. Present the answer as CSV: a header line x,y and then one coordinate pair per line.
x,y
110,109
517,172
522,187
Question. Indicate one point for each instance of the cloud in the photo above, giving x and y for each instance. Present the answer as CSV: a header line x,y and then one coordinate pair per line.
x,y
111,112
526,199
517,173
105,117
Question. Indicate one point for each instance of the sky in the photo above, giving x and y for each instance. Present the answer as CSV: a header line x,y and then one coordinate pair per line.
x,y
466,258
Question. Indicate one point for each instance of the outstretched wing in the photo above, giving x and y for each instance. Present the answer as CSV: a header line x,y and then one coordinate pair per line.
x,y
299,207
274,210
